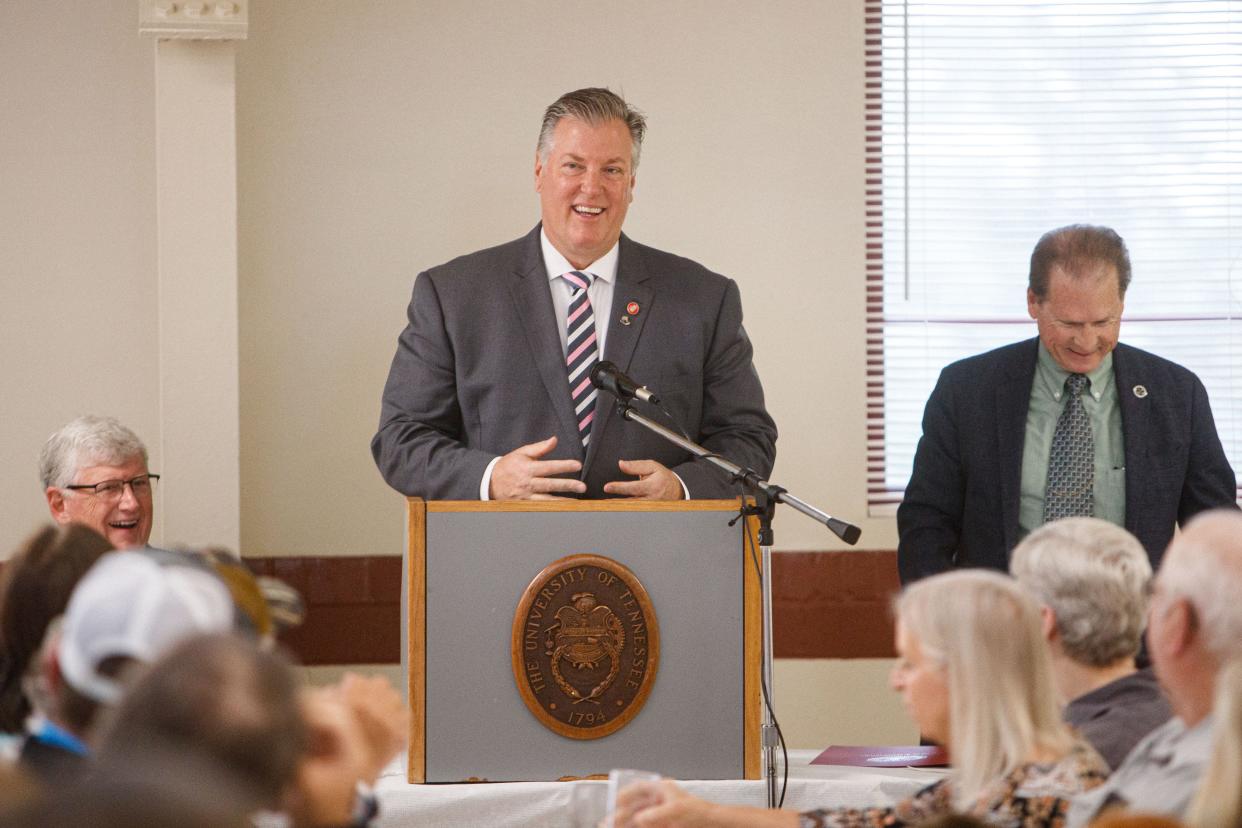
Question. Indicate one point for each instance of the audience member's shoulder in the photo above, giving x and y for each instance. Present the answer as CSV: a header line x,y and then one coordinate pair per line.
x,y
50,763
1172,729
1126,819
1159,740
175,557
1142,687
1081,769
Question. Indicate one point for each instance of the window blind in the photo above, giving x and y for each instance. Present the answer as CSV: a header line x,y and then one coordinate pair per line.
x,y
989,123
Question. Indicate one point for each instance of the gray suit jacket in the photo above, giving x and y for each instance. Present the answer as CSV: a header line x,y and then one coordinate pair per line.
x,y
961,505
479,371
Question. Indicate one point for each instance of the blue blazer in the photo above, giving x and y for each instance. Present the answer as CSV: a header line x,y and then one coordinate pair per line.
x,y
961,506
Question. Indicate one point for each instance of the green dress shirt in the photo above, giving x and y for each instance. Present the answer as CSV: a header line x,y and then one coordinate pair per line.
x,y
1048,397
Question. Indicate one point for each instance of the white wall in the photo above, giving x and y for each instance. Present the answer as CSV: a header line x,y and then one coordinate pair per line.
x,y
78,323
378,138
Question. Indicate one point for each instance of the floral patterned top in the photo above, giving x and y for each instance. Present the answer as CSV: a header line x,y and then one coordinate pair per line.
x,y
1030,796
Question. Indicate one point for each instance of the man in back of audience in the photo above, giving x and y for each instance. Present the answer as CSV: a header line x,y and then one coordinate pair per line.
x,y
94,472
1091,578
1194,626
224,701
128,608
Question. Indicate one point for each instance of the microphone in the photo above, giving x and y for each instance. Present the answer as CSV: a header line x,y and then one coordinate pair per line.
x,y
608,377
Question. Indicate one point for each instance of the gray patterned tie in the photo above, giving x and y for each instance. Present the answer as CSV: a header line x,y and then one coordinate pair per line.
x,y
1071,464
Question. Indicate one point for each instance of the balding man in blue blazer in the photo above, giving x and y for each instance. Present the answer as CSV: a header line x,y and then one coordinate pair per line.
x,y
981,469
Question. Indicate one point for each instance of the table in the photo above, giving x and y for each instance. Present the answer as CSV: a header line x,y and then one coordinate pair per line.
x,y
546,804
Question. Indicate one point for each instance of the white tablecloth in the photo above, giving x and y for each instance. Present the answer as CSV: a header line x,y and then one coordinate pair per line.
x,y
546,804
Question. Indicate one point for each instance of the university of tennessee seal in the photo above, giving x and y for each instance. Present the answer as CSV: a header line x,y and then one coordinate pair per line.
x,y
586,646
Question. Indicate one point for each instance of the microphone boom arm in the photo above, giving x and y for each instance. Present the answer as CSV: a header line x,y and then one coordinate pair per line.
x,y
749,478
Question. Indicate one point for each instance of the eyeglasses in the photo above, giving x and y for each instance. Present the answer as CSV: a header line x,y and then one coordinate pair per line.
x,y
110,490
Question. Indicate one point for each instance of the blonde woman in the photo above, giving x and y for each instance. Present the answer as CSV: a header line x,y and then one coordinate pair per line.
x,y
974,673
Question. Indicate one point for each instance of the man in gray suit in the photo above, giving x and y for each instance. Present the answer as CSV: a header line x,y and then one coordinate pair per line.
x,y
489,396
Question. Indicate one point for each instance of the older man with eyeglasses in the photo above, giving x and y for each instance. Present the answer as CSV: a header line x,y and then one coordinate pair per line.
x,y
94,472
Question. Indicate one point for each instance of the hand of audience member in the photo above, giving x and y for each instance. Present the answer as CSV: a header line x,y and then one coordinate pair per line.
x,y
637,797
522,475
335,759
664,804
382,719
655,481
356,727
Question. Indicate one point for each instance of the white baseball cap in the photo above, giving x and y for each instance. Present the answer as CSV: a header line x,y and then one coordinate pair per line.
x,y
130,605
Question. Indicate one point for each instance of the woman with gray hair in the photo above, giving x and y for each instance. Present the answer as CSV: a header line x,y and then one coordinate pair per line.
x,y
975,676
1092,579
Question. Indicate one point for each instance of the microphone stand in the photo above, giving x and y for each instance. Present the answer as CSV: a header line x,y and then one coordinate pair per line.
x,y
766,496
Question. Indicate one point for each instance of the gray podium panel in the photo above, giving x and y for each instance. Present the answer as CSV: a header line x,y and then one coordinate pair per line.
x,y
479,564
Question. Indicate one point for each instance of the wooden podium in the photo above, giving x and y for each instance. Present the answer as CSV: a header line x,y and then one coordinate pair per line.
x,y
467,568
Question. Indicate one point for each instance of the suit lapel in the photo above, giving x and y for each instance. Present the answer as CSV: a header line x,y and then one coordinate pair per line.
x,y
1135,418
1013,400
533,303
622,339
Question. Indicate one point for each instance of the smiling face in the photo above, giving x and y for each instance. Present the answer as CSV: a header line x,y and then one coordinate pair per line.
x,y
126,522
923,686
585,187
1079,319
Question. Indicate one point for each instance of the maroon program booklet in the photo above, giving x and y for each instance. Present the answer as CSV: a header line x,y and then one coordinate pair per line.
x,y
916,756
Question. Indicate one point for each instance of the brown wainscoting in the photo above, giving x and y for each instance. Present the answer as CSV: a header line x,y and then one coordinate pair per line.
x,y
833,604
824,605
353,607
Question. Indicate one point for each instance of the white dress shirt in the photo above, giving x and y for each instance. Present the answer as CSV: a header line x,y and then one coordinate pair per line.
x,y
604,271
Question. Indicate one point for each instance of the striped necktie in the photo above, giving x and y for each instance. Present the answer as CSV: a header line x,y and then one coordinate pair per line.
x,y
581,353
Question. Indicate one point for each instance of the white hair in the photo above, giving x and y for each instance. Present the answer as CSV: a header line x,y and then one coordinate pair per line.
x,y
984,629
87,440
1094,576
1203,565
